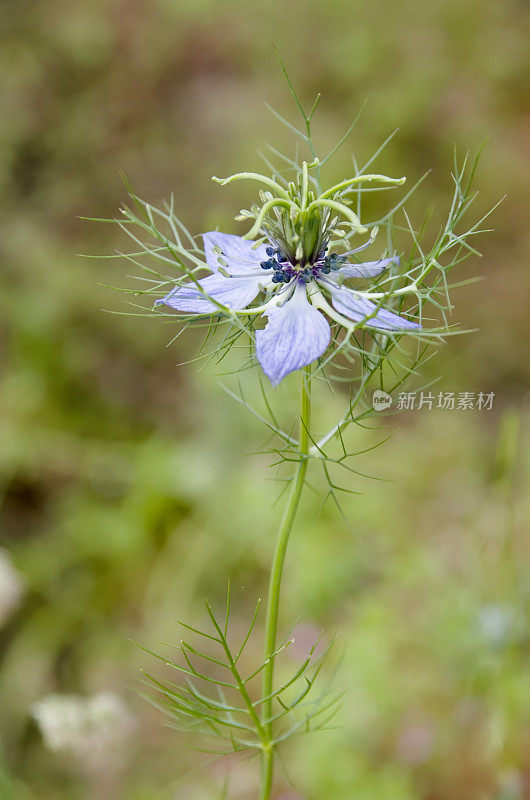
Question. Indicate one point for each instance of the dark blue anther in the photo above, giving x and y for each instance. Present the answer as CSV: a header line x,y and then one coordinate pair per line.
x,y
333,262
269,264
306,274
282,276
270,251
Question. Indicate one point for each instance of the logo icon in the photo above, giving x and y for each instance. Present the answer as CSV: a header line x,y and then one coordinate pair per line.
x,y
381,400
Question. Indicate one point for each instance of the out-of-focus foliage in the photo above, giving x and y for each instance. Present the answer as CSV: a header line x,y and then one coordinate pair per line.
x,y
126,491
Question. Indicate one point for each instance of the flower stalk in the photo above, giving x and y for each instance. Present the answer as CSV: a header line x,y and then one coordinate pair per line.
x,y
275,580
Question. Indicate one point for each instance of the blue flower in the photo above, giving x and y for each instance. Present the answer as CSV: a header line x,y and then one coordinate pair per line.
x,y
297,332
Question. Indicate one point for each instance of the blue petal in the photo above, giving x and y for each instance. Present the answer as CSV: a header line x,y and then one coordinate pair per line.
x,y
239,255
368,269
235,293
358,308
296,334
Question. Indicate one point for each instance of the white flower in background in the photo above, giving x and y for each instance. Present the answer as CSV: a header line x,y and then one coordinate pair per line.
x,y
92,728
497,624
11,587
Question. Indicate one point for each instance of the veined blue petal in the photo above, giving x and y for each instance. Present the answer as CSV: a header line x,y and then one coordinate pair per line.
x,y
235,293
296,334
358,308
368,269
238,254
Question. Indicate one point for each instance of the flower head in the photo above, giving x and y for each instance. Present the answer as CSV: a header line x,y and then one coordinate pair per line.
x,y
297,295
296,265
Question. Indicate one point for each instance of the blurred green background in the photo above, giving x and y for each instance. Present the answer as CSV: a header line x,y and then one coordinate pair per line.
x,y
126,491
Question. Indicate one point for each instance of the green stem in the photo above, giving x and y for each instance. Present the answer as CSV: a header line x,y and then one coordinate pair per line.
x,y
271,625
267,770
